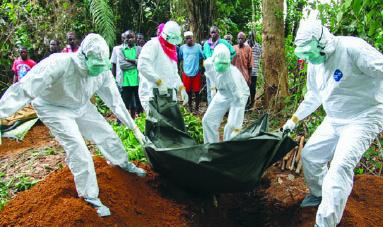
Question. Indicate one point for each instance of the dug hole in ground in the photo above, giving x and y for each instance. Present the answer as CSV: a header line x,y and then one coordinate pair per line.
x,y
155,201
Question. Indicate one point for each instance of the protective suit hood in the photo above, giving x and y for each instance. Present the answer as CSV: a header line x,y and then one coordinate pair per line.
x,y
221,51
310,30
92,45
172,33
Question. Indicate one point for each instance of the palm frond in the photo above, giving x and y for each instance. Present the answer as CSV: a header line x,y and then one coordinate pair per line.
x,y
103,18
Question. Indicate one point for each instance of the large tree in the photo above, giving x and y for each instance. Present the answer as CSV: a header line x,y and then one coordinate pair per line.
x,y
273,53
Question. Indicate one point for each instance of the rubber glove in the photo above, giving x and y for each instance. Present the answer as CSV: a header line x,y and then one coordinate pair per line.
x,y
102,210
184,96
162,88
290,124
213,92
139,136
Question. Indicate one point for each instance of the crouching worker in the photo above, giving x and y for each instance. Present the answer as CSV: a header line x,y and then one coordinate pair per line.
x,y
229,91
59,88
345,75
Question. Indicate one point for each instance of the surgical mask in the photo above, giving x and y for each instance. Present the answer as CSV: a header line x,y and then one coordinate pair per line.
x,y
317,60
221,65
173,38
311,51
97,66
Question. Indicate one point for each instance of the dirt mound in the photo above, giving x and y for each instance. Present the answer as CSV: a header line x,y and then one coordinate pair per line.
x,y
153,201
364,206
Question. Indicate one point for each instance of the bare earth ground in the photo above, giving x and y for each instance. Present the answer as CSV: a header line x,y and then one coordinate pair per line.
x,y
154,201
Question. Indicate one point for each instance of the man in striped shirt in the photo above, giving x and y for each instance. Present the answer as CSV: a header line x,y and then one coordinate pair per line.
x,y
256,49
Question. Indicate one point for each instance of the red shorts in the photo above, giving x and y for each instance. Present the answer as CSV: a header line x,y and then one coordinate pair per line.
x,y
192,82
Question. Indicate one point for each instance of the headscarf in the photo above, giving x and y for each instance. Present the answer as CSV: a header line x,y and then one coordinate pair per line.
x,y
169,49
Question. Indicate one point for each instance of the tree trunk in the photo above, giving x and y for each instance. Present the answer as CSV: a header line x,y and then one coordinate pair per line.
x,y
273,54
201,17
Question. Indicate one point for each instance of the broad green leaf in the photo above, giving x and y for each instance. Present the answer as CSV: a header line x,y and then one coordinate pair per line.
x,y
339,17
347,4
370,15
374,27
357,6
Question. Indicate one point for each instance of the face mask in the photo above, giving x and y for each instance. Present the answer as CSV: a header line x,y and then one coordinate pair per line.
x,y
311,52
173,39
316,60
97,66
221,65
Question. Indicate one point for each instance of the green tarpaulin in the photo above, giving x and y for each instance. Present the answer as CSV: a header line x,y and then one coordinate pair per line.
x,y
231,166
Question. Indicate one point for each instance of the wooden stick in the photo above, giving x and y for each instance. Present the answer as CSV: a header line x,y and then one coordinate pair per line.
x,y
300,149
299,166
293,160
287,157
283,165
291,156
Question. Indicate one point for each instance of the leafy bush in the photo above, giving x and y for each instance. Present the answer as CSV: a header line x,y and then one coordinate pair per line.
x,y
131,144
193,125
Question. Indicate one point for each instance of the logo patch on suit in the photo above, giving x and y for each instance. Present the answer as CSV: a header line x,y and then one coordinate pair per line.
x,y
338,75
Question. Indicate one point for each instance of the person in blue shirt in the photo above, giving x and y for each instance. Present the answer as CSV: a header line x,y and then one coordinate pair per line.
x,y
208,50
191,53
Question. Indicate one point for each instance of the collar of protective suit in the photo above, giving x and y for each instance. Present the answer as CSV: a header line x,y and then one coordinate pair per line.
x,y
169,49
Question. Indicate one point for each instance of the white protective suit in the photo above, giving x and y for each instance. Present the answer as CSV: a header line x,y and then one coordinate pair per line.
x,y
349,86
59,88
232,94
153,66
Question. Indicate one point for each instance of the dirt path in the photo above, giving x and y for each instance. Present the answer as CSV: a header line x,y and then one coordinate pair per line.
x,y
37,138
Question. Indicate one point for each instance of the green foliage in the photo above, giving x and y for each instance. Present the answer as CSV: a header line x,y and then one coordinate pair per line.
x,y
101,106
371,155
24,183
131,144
103,18
238,17
18,183
359,18
193,125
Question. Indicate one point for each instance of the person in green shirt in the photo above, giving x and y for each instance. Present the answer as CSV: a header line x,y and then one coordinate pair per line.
x,y
130,74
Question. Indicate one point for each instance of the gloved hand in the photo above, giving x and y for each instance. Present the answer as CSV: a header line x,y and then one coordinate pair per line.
x,y
289,126
102,210
213,92
162,89
139,136
184,96
234,133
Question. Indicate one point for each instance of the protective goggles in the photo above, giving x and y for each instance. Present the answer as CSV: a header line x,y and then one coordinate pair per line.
x,y
309,50
221,65
97,66
173,38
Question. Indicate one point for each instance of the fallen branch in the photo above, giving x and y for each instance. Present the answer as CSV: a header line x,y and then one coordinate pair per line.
x,y
302,140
